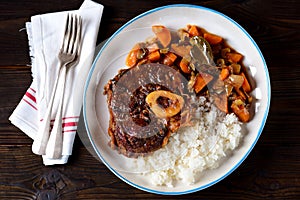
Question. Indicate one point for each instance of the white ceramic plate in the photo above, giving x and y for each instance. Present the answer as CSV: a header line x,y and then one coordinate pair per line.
x,y
112,57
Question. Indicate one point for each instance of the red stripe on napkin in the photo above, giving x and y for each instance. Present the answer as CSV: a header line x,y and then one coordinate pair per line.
x,y
69,124
65,124
33,90
30,96
29,104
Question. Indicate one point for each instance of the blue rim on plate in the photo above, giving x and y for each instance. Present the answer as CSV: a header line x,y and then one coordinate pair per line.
x,y
259,131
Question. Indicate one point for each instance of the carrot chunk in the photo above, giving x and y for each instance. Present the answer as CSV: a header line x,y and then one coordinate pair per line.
x,y
224,74
169,58
234,57
163,34
212,39
193,31
241,112
154,56
246,85
184,66
132,59
202,79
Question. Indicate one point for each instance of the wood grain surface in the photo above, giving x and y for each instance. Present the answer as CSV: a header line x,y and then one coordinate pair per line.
x,y
271,171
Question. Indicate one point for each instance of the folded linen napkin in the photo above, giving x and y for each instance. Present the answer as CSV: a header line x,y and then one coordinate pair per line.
x,y
45,34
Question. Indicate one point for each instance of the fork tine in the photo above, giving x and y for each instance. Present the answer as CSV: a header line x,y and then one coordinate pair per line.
x,y
73,31
78,35
66,38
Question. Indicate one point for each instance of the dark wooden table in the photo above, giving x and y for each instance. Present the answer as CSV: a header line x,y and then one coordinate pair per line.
x,y
271,171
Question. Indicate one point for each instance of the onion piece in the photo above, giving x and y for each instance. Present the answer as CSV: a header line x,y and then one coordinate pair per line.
x,y
236,80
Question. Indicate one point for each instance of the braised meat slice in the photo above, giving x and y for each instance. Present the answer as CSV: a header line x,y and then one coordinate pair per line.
x,y
145,104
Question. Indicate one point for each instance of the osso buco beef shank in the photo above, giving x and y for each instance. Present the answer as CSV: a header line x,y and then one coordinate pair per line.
x,y
146,103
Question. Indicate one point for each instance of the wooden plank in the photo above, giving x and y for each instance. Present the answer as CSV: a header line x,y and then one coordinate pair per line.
x,y
32,180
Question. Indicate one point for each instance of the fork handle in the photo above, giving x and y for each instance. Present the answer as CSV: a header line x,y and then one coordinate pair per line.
x,y
42,136
55,142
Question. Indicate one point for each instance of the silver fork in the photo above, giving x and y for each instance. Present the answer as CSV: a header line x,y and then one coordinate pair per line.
x,y
47,143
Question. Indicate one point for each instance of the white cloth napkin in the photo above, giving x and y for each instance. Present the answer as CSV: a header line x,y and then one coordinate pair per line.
x,y
45,35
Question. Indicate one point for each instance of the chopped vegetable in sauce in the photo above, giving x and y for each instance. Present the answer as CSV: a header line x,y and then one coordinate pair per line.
x,y
211,66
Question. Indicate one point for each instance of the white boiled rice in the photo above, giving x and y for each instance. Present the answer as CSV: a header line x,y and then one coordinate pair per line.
x,y
192,149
